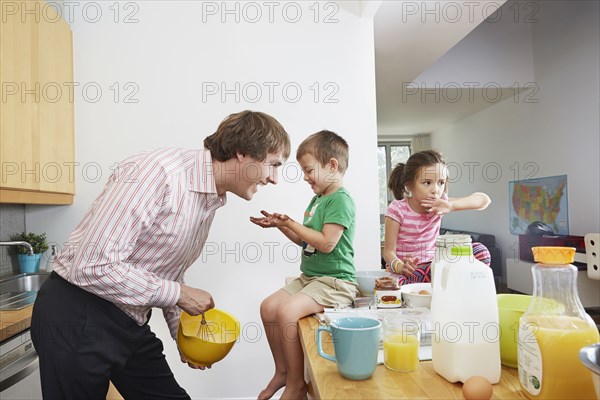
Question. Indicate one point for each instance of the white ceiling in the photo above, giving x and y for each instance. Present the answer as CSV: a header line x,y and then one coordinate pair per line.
x,y
410,37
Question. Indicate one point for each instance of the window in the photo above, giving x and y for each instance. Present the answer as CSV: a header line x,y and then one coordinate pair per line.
x,y
389,154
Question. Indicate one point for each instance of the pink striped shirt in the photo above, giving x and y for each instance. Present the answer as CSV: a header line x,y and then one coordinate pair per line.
x,y
418,232
145,229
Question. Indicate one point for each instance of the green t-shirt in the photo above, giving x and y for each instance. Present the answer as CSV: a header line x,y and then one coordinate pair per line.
x,y
335,208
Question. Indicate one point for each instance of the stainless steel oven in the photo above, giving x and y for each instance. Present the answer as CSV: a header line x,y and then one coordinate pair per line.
x,y
19,371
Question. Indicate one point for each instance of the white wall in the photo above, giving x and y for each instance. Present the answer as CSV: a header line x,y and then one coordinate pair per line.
x,y
497,53
163,61
552,132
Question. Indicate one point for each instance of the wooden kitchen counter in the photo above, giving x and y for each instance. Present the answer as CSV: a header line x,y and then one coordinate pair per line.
x,y
13,322
325,382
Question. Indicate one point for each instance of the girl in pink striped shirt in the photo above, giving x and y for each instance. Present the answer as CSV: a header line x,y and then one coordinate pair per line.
x,y
412,221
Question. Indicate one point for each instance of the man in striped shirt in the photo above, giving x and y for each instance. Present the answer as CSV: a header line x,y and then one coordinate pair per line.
x,y
129,254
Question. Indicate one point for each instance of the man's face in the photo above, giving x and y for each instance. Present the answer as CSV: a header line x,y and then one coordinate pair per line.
x,y
253,173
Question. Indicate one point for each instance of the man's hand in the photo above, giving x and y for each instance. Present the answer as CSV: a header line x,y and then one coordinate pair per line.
x,y
185,360
194,301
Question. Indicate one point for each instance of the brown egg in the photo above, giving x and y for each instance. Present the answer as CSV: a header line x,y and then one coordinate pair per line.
x,y
423,291
477,388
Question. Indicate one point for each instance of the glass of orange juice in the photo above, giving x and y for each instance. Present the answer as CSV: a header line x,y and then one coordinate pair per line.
x,y
401,337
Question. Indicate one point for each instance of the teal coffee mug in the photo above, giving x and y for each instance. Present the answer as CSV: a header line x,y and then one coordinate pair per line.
x,y
356,344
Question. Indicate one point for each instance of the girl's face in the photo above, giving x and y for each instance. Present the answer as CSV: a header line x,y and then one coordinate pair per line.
x,y
323,180
430,181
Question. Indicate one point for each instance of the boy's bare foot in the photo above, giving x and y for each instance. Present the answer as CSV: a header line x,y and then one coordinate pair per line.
x,y
291,393
277,382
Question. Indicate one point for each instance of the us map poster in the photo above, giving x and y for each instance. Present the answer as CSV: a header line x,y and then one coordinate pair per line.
x,y
540,199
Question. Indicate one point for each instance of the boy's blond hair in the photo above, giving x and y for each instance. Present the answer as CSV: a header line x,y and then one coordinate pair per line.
x,y
324,146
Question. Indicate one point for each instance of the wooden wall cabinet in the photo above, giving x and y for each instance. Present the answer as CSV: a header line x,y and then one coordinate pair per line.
x,y
37,143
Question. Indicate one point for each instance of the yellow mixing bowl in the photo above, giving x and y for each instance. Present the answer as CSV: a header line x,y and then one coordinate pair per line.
x,y
211,343
510,309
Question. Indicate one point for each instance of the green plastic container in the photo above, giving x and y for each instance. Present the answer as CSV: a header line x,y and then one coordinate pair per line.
x,y
510,308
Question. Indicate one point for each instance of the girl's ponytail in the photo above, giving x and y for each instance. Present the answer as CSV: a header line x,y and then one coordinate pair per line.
x,y
395,182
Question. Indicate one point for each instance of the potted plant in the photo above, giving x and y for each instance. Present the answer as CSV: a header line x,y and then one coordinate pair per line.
x,y
30,263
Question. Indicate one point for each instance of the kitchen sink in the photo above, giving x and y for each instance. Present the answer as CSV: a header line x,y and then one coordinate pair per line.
x,y
19,291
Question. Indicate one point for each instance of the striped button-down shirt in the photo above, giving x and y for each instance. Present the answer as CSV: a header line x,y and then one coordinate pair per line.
x,y
145,229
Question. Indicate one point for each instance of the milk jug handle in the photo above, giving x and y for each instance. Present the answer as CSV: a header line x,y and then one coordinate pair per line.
x,y
441,277
319,346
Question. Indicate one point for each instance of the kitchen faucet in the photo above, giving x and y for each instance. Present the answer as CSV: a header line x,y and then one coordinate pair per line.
x,y
19,243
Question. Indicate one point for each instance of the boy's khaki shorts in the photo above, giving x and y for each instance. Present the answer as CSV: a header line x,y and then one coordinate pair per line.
x,y
325,290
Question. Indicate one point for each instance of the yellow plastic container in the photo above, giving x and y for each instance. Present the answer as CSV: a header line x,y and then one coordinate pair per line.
x,y
510,308
219,336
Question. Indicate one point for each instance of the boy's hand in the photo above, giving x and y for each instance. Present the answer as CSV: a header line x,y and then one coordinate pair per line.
x,y
436,205
274,220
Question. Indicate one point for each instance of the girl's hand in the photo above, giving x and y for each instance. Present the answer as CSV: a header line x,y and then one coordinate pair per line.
x,y
436,205
409,264
274,220
405,266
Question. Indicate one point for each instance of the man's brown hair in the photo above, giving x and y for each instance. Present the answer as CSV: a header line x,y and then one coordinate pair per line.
x,y
251,133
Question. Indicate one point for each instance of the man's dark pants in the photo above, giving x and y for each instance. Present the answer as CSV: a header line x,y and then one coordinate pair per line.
x,y
83,341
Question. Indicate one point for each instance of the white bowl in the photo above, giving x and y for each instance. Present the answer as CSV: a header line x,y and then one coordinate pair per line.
x,y
366,280
411,297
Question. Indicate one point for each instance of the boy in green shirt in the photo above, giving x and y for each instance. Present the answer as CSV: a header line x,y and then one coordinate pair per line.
x,y
328,273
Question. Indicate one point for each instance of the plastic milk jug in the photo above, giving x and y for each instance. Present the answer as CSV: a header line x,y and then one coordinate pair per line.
x,y
443,248
553,330
464,314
